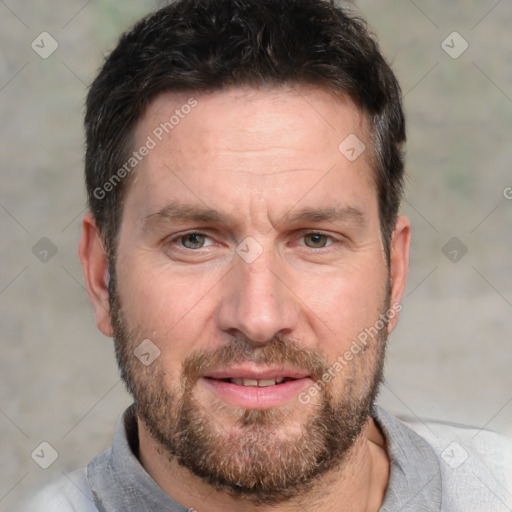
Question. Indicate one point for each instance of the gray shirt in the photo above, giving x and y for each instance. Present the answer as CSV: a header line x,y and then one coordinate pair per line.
x,y
435,467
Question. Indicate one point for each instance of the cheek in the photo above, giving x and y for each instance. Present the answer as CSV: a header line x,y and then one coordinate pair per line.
x,y
344,305
170,309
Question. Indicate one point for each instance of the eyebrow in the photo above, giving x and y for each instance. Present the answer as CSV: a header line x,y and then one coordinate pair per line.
x,y
178,212
334,214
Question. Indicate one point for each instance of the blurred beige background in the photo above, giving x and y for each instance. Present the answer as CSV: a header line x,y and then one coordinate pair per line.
x,y
450,357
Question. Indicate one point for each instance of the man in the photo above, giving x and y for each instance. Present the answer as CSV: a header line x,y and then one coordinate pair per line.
x,y
244,249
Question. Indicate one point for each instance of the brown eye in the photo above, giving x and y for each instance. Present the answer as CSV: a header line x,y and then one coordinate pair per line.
x,y
316,240
193,240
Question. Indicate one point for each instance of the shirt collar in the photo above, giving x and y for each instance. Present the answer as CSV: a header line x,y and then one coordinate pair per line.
x,y
415,474
119,482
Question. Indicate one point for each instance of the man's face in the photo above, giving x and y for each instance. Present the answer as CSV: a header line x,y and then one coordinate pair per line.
x,y
250,254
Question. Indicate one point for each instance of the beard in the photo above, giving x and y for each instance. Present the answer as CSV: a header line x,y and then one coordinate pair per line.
x,y
264,456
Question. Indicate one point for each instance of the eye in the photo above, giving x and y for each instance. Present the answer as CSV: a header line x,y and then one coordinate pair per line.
x,y
317,240
193,240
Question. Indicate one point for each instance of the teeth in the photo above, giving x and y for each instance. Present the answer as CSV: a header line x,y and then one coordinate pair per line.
x,y
267,382
262,383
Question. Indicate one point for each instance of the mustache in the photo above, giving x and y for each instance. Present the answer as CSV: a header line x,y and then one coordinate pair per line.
x,y
279,351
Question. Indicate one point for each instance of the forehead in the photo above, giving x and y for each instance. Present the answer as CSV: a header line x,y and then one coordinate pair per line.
x,y
279,146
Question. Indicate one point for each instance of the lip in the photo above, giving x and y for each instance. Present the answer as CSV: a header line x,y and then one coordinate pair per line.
x,y
253,371
253,397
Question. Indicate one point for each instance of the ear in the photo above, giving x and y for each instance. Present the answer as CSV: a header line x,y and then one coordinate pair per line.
x,y
95,267
399,264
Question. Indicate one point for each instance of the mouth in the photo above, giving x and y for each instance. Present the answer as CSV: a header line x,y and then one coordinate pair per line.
x,y
260,383
251,387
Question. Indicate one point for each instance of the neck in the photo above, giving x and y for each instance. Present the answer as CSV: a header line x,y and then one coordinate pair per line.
x,y
359,485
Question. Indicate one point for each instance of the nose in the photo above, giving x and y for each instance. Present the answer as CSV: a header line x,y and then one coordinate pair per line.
x,y
258,302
